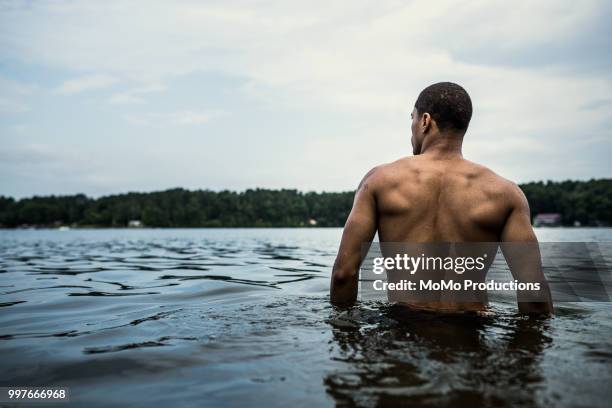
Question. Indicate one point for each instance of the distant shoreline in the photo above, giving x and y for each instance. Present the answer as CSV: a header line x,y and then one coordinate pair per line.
x,y
564,203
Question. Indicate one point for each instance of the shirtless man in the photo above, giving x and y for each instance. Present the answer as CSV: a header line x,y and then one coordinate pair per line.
x,y
438,196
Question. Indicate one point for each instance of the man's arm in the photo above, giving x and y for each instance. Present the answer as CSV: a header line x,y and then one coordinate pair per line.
x,y
521,250
360,228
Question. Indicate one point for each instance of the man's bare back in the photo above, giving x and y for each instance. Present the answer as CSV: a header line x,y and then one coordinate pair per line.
x,y
438,196
438,199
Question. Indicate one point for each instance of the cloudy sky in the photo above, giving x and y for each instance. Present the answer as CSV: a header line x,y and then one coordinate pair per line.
x,y
103,97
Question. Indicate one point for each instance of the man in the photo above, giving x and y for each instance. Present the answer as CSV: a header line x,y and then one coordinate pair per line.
x,y
438,196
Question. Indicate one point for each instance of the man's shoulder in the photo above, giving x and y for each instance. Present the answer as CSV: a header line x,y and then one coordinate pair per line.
x,y
386,173
497,184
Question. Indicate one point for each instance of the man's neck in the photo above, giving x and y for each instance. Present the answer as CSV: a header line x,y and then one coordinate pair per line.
x,y
443,145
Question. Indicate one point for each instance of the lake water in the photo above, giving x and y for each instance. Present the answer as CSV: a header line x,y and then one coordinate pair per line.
x,y
240,317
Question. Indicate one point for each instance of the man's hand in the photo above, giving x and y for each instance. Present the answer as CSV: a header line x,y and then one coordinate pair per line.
x,y
359,229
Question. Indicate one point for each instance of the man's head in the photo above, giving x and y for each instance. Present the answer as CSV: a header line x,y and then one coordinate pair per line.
x,y
444,107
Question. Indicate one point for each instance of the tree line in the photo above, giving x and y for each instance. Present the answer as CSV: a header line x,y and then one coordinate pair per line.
x,y
588,202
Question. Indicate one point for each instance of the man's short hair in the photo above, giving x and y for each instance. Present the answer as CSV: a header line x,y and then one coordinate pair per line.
x,y
448,104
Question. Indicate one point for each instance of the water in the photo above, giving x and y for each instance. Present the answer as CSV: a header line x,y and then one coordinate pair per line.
x,y
241,318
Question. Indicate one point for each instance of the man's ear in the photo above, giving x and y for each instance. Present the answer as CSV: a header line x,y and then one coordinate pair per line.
x,y
426,122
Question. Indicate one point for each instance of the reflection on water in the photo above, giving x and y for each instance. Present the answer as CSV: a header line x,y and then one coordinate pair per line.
x,y
436,360
241,317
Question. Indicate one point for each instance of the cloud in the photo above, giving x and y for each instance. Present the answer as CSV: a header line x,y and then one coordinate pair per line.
x,y
125,98
194,118
52,168
13,95
10,107
595,104
185,117
19,128
538,74
362,57
136,95
13,87
27,154
86,83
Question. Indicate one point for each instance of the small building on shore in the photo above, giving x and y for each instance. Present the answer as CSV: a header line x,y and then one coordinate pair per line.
x,y
547,220
135,224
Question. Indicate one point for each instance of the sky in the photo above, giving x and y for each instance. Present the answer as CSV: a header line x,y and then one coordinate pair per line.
x,y
103,97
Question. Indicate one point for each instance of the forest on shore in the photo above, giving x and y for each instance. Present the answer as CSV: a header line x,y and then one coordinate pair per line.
x,y
588,203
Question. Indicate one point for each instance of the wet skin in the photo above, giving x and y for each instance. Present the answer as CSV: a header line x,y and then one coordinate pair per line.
x,y
437,196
